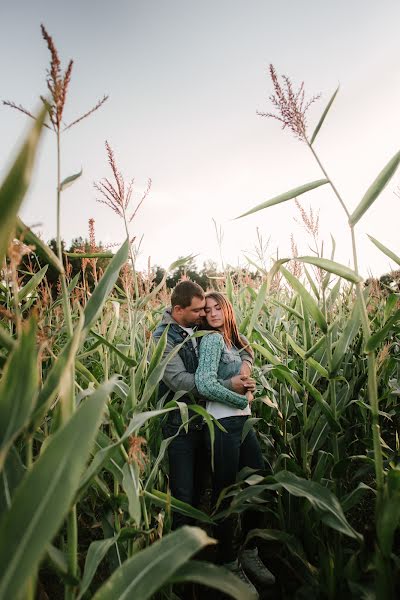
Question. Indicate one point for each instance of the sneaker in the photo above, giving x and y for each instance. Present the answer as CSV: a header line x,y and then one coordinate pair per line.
x,y
255,568
235,568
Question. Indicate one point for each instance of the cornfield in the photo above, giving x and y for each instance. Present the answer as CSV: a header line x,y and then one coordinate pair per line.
x,y
84,498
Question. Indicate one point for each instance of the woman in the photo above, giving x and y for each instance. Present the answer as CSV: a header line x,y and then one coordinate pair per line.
x,y
220,358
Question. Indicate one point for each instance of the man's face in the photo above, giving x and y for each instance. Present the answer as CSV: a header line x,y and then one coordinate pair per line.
x,y
191,315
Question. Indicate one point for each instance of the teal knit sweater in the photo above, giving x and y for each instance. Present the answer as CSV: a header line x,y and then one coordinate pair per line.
x,y
216,361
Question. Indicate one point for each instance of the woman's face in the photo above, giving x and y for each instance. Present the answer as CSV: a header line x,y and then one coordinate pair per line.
x,y
214,314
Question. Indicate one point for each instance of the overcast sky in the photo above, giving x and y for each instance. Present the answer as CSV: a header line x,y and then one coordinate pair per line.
x,y
185,79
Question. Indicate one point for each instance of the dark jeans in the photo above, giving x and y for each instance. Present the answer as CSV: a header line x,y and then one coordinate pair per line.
x,y
189,469
230,456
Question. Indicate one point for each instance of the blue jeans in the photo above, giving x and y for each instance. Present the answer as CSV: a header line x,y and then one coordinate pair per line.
x,y
230,456
188,468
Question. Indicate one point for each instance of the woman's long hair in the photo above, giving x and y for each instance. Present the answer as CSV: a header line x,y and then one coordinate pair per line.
x,y
230,330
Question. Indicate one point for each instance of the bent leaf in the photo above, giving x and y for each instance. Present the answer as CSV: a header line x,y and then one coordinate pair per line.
x,y
332,267
18,392
146,572
286,196
69,180
17,181
45,495
375,189
29,237
385,250
215,577
308,300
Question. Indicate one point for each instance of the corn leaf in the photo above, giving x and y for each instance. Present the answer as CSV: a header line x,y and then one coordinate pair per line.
x,y
95,554
16,183
322,499
377,338
213,576
104,287
349,332
385,250
286,196
323,116
332,267
146,572
257,308
45,495
32,284
69,180
30,238
375,189
18,388
307,299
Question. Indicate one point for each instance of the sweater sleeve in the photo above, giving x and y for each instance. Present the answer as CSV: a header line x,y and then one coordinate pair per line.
x,y
206,375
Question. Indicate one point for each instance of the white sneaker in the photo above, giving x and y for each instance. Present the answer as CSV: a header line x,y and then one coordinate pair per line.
x,y
255,568
235,568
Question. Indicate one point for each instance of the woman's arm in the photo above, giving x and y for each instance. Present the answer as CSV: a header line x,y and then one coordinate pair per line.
x,y
206,375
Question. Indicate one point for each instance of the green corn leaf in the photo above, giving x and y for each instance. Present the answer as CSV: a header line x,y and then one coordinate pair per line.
x,y
377,338
32,284
312,283
289,309
16,183
72,284
158,351
353,498
325,408
302,353
95,554
30,238
323,116
105,453
18,388
165,500
229,287
257,308
131,485
126,359
147,571
104,287
389,515
45,495
332,267
213,576
307,299
375,189
6,341
349,332
61,366
69,180
385,250
286,196
322,499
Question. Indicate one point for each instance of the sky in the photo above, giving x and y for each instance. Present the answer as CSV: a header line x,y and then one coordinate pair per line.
x,y
185,80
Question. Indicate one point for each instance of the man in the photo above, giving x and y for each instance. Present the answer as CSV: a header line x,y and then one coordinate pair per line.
x,y
186,452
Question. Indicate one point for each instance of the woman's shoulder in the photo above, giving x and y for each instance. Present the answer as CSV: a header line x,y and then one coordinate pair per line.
x,y
213,338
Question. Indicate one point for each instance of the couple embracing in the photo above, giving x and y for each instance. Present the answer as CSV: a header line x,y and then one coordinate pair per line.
x,y
214,371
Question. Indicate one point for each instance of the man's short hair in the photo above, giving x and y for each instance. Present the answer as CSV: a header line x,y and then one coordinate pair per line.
x,y
184,292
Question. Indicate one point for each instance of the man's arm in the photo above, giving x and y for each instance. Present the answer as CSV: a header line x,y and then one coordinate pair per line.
x,y
176,377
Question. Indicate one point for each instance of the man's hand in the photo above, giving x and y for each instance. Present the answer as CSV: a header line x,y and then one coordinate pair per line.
x,y
242,384
250,397
245,369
